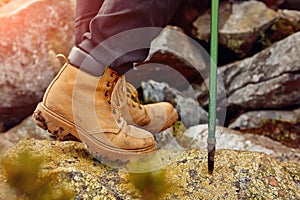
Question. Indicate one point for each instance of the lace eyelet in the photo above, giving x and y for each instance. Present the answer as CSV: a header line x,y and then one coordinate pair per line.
x,y
108,84
106,94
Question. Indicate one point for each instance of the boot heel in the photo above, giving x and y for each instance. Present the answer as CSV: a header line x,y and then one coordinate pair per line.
x,y
56,125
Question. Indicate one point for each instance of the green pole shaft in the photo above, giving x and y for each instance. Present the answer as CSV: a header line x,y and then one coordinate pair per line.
x,y
213,83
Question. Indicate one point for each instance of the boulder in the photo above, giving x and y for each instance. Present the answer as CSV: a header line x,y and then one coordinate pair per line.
x,y
174,58
282,126
237,175
286,24
269,79
240,25
173,40
254,119
32,33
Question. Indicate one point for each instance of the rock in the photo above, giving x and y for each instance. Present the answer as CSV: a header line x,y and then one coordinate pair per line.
x,y
283,126
187,13
240,25
26,129
286,24
2,3
173,39
254,119
235,140
269,79
291,16
187,107
237,174
265,94
32,33
173,58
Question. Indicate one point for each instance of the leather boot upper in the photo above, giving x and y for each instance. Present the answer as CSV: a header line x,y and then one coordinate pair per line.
x,y
93,105
152,117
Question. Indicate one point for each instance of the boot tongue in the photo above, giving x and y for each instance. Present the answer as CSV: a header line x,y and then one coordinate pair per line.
x,y
118,96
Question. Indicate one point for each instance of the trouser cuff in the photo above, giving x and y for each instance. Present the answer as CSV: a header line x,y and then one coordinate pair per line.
x,y
85,62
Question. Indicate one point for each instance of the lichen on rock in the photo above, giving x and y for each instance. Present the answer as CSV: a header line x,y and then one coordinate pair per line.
x,y
237,175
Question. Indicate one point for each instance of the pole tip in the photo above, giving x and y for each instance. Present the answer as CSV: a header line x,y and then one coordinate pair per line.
x,y
211,147
211,161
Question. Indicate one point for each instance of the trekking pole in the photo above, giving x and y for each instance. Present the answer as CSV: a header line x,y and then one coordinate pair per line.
x,y
211,140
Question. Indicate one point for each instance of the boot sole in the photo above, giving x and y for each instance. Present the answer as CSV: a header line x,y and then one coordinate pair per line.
x,y
63,129
55,124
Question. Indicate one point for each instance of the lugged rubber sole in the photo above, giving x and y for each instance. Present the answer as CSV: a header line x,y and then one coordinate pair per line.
x,y
63,129
55,124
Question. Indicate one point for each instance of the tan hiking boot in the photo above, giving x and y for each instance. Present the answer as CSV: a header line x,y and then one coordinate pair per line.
x,y
79,104
152,117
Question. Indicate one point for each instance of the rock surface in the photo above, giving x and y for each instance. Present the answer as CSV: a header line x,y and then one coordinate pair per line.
x,y
269,79
240,25
231,139
174,58
32,33
254,119
26,129
281,126
286,24
237,175
173,39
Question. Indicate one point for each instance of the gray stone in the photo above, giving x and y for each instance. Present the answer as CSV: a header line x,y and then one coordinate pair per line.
x,y
254,119
173,58
240,25
172,39
32,33
269,79
235,140
278,92
286,24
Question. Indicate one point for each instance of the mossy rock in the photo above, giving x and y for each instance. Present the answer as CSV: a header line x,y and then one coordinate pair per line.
x,y
237,174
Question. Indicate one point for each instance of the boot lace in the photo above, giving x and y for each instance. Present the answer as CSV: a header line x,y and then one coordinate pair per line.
x,y
110,86
117,98
132,93
60,55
